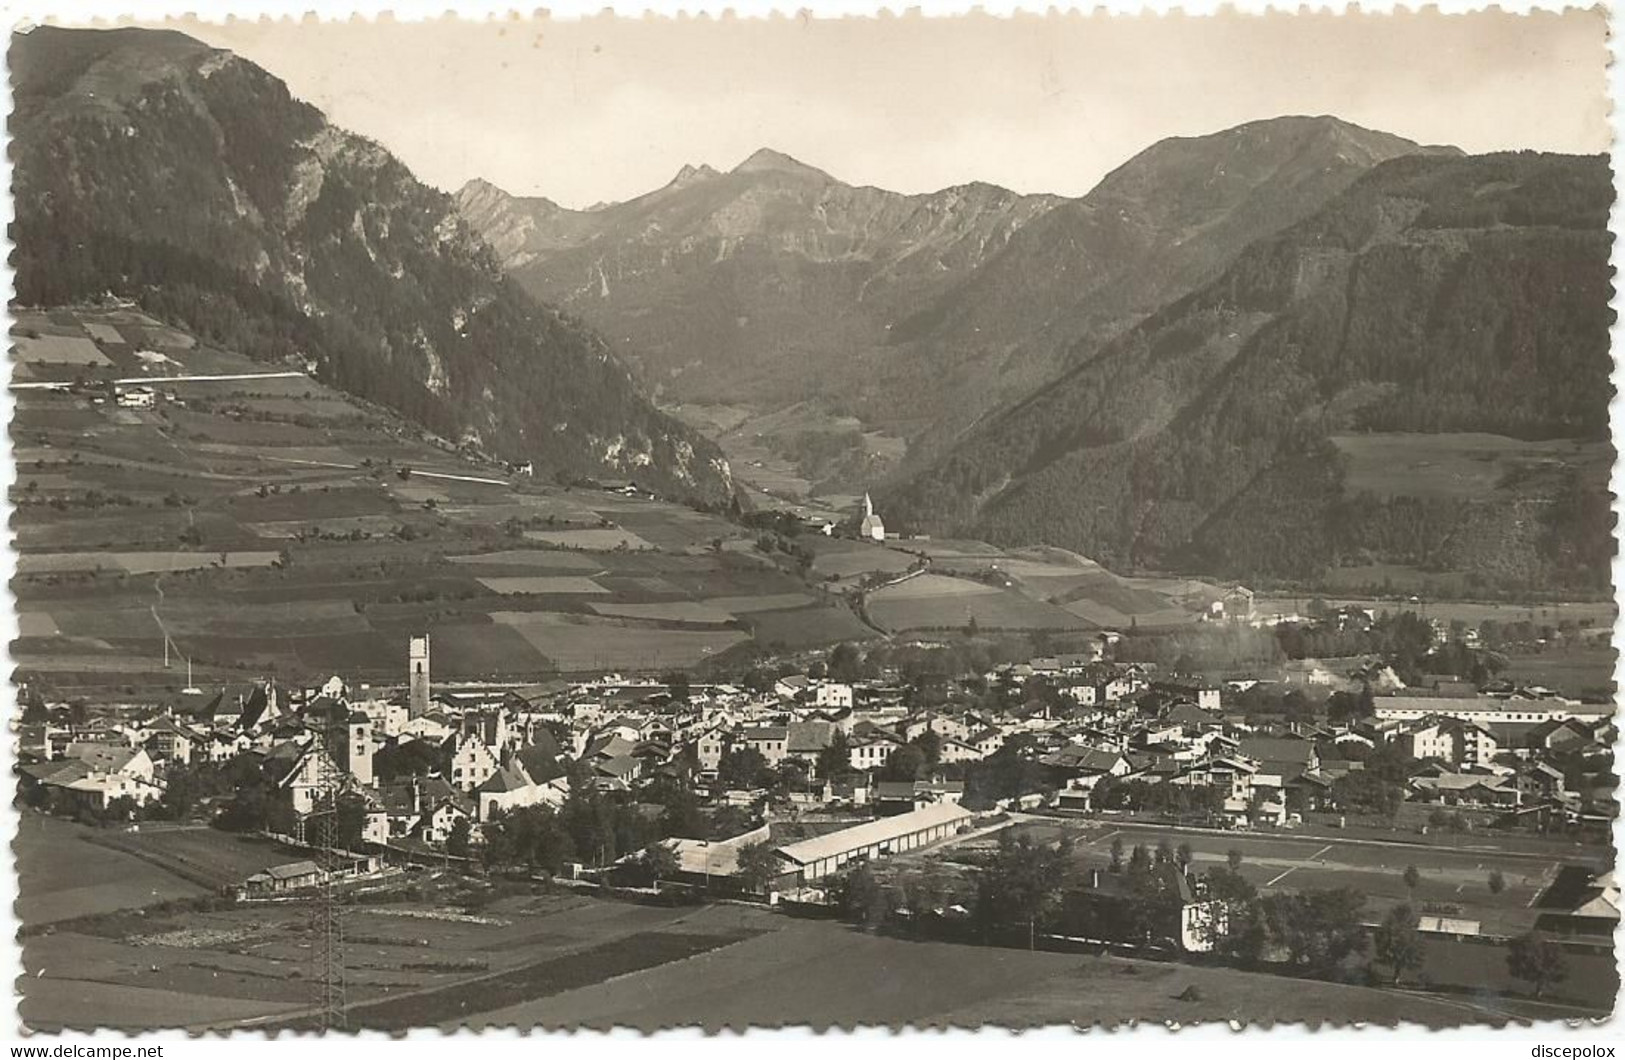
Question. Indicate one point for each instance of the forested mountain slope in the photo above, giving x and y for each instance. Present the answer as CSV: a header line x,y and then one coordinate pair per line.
x,y
1436,295
149,166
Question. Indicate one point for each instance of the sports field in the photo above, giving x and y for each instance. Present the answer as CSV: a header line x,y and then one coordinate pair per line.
x,y
1450,876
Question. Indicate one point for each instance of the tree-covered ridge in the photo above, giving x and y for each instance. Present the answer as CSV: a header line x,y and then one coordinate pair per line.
x,y
1435,295
151,167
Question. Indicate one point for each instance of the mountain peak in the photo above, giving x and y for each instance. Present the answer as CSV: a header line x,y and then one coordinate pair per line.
x,y
692,175
767,160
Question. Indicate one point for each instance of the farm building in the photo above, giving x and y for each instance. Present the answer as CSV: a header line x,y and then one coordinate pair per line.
x,y
1579,902
825,854
279,878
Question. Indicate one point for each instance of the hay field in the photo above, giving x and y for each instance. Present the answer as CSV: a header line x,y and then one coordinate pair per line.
x,y
540,584
578,643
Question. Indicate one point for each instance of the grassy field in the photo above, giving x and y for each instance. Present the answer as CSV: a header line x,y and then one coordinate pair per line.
x,y
1578,672
61,876
826,975
936,601
1456,466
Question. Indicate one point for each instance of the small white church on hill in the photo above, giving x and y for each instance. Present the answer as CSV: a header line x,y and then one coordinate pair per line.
x,y
871,528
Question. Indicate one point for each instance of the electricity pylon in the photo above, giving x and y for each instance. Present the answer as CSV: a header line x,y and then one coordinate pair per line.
x,y
326,913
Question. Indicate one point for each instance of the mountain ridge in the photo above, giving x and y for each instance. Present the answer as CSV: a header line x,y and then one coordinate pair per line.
x,y
192,181
1437,295
918,313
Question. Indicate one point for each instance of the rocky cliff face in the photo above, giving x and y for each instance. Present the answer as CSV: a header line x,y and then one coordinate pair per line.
x,y
153,167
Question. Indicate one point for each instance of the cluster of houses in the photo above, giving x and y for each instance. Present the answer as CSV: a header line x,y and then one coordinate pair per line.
x,y
429,763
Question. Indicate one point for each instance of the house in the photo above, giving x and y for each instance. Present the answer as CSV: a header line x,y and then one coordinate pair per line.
x,y
1465,789
866,751
832,694
169,741
1119,907
893,797
1559,735
772,742
1542,782
108,758
437,824
1078,760
1206,697
1579,901
709,749
472,763
1282,756
278,879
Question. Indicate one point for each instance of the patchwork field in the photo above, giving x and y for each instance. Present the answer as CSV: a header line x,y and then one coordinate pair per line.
x,y
581,643
273,526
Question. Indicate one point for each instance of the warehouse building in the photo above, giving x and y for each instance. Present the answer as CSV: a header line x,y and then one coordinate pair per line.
x,y
826,854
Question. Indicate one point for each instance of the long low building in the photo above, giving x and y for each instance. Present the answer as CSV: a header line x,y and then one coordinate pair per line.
x,y
1488,710
819,857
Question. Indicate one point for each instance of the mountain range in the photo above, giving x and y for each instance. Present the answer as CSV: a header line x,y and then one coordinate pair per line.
x,y
1277,351
1196,365
774,282
151,167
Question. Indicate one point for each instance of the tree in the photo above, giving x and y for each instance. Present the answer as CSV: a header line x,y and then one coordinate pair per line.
x,y
836,759
1117,854
758,866
1318,928
1139,859
1398,942
1023,883
457,843
742,768
907,762
845,663
1497,882
659,861
1182,855
1412,878
677,685
1537,960
1233,858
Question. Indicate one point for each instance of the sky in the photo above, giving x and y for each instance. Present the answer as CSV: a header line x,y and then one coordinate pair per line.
x,y
605,109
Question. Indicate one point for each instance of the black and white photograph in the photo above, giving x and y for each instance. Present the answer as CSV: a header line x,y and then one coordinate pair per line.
x,y
816,522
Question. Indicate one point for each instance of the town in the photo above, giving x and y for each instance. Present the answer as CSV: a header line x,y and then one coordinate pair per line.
x,y
934,784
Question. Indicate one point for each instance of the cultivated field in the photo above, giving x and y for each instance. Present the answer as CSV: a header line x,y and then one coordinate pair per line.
x,y
575,643
273,527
